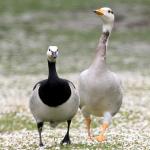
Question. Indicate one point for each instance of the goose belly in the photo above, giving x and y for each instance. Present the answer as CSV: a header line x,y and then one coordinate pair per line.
x,y
98,105
100,94
63,112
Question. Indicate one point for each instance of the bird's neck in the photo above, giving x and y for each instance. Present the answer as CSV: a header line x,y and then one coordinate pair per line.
x,y
52,70
103,41
102,45
99,62
107,27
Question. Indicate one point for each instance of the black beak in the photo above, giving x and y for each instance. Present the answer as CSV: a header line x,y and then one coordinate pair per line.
x,y
94,11
54,55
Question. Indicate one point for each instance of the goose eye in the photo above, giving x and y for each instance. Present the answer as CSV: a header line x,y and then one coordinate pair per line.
x,y
49,49
110,11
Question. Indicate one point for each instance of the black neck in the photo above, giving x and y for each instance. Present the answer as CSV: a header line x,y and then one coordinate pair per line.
x,y
52,70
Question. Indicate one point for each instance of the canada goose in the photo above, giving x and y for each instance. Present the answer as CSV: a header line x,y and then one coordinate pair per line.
x,y
54,100
100,89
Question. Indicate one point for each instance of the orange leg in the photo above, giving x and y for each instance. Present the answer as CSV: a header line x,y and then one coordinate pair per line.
x,y
101,137
88,123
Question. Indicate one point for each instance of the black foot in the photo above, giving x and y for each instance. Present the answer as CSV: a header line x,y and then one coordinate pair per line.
x,y
66,140
41,144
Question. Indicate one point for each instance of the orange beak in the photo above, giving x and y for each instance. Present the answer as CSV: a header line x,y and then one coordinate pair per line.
x,y
99,12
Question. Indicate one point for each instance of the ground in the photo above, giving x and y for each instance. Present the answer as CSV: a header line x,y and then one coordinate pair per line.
x,y
129,129
29,27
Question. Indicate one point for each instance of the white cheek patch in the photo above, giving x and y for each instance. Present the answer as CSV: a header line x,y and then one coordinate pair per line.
x,y
49,53
53,48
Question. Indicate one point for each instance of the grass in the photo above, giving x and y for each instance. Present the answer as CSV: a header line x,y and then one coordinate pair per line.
x,y
15,121
29,27
129,127
16,6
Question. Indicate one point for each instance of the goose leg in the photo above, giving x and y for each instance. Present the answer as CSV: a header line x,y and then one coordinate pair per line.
x,y
88,123
39,126
67,137
104,126
101,137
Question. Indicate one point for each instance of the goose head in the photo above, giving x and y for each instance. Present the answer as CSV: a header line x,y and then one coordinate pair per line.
x,y
52,53
107,17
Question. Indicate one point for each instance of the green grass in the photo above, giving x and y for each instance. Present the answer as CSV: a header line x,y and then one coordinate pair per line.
x,y
76,51
128,127
15,121
17,6
12,122
92,146
28,28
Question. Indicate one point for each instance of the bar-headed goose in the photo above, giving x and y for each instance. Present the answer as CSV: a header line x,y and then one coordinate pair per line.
x,y
100,89
54,100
